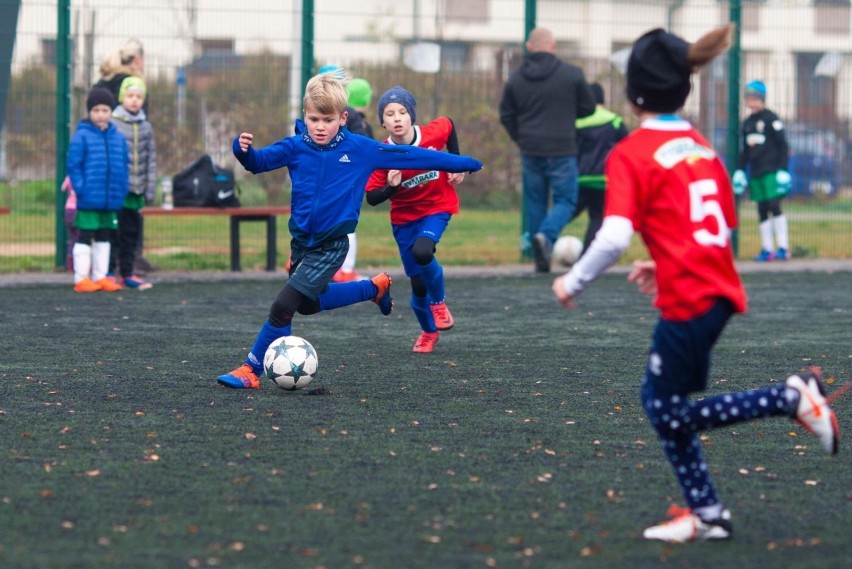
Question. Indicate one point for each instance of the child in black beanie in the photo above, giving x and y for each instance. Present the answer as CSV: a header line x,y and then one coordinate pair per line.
x,y
668,184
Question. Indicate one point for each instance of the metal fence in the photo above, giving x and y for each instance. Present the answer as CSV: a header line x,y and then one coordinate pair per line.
x,y
214,69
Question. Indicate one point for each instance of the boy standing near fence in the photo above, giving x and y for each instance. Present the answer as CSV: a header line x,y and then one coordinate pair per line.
x,y
130,120
765,154
666,182
97,168
329,168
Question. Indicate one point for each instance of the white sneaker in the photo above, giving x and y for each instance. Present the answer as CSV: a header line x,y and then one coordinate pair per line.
x,y
813,411
685,526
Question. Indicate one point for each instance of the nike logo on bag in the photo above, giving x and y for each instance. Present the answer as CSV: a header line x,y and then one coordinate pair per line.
x,y
344,158
224,194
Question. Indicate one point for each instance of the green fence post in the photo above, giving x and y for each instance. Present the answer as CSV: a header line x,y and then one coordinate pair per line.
x,y
307,42
733,138
530,15
63,118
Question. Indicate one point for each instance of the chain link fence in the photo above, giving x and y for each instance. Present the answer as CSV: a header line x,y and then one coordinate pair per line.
x,y
214,69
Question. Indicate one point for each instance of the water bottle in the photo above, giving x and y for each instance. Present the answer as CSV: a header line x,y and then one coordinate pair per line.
x,y
168,196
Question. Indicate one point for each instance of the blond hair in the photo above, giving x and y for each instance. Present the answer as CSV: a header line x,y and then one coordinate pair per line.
x,y
326,93
120,61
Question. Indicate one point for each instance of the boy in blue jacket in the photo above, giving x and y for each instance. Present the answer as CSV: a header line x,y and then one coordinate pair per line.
x,y
329,168
97,169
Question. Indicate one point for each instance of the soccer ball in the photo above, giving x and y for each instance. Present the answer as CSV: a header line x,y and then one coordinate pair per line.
x,y
567,250
290,362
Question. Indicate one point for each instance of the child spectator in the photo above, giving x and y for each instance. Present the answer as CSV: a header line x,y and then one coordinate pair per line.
x,y
421,205
596,135
765,154
667,183
130,120
329,168
97,167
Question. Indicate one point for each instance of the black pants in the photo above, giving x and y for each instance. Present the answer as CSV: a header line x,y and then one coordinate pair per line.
x,y
593,200
127,240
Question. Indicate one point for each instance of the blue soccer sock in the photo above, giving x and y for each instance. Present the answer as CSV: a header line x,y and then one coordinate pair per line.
x,y
433,277
420,305
338,295
268,334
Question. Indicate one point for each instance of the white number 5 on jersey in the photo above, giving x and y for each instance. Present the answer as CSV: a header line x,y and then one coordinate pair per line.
x,y
703,204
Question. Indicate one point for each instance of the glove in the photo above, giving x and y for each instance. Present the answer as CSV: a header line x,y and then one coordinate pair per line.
x,y
783,181
740,182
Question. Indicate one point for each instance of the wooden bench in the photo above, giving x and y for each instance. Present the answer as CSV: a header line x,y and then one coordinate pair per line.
x,y
237,215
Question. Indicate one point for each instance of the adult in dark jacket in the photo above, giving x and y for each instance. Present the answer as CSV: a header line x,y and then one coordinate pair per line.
x,y
541,102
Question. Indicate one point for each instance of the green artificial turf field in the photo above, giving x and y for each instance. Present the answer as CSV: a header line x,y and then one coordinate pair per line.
x,y
520,442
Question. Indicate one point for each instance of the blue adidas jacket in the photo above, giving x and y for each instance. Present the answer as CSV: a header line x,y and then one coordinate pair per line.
x,y
97,166
328,181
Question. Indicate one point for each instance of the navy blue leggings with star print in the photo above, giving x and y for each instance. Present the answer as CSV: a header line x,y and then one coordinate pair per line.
x,y
678,364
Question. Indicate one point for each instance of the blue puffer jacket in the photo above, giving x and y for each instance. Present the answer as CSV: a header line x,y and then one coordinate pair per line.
x,y
97,166
328,181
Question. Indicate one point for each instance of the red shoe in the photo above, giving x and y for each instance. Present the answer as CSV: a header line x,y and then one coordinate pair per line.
x,y
383,297
87,285
109,284
241,378
443,319
342,276
426,342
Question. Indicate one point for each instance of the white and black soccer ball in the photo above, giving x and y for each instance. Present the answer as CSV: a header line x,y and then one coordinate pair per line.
x,y
567,250
290,362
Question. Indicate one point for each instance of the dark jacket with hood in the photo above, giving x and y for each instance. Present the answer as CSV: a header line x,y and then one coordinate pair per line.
x,y
542,101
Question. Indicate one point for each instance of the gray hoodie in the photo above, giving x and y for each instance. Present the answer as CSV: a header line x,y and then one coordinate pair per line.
x,y
142,151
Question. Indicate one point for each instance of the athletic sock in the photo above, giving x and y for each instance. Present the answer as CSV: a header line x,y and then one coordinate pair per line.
x,y
268,334
420,305
344,294
100,259
709,513
781,234
766,235
433,277
351,255
82,254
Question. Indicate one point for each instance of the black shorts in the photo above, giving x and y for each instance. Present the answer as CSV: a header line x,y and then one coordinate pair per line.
x,y
312,268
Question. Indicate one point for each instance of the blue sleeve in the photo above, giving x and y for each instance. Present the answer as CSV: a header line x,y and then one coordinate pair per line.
x,y
74,163
268,158
402,157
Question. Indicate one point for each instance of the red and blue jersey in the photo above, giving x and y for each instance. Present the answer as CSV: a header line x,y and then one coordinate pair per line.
x,y
422,192
669,182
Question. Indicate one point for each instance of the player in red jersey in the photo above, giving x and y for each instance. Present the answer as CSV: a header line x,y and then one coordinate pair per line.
x,y
421,205
667,183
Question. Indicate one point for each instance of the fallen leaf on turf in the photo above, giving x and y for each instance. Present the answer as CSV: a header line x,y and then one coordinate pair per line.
x,y
250,436
811,482
237,546
432,539
743,471
67,524
93,473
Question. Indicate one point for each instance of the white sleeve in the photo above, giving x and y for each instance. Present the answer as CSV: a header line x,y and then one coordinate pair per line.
x,y
611,241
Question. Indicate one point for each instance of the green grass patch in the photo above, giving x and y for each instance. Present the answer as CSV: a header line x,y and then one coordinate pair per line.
x,y
520,442
818,228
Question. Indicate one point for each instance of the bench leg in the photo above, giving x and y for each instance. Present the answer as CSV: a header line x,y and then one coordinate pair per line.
x,y
271,242
235,244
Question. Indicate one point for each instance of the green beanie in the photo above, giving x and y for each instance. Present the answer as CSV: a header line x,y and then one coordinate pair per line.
x,y
360,93
131,83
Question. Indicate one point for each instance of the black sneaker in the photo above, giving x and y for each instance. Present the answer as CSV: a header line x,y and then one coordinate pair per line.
x,y
542,250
